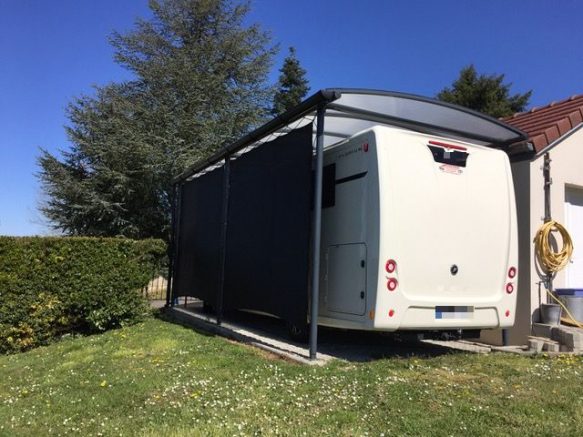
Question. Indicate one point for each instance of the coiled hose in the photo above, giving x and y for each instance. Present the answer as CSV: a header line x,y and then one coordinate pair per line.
x,y
551,261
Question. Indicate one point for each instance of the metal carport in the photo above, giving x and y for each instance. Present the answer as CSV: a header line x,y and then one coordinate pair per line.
x,y
336,114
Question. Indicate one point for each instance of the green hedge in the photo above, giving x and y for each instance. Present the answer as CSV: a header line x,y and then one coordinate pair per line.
x,y
52,286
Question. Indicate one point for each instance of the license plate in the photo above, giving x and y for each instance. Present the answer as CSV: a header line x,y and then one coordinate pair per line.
x,y
453,312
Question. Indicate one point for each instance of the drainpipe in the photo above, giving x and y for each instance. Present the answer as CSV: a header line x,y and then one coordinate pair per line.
x,y
548,181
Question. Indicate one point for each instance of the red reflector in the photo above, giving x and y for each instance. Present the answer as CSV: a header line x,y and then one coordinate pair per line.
x,y
507,313
509,288
512,272
447,146
391,313
390,266
392,284
365,147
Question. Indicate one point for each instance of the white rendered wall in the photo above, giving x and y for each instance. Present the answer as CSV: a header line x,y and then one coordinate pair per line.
x,y
566,170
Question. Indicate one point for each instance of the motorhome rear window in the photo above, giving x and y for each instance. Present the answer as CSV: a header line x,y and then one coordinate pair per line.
x,y
451,157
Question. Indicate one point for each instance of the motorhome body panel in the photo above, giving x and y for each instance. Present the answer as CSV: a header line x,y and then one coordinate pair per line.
x,y
350,191
443,210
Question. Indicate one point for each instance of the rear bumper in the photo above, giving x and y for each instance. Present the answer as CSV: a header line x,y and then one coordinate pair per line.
x,y
433,318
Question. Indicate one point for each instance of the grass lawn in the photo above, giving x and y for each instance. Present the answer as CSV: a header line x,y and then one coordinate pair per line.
x,y
157,378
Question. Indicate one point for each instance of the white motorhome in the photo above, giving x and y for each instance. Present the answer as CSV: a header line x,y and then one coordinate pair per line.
x,y
418,232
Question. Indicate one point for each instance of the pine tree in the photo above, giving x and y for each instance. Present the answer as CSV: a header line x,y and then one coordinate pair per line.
x,y
292,84
200,82
483,93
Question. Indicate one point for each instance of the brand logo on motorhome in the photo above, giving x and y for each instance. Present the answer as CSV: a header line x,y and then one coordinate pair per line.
x,y
350,152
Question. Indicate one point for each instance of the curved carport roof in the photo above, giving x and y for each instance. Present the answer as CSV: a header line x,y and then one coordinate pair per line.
x,y
348,111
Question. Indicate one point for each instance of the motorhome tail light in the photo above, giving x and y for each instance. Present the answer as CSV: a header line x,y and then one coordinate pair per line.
x,y
512,272
509,288
507,313
392,284
391,313
391,266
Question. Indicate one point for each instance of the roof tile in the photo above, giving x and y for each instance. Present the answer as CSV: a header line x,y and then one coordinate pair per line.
x,y
547,123
539,142
576,117
552,133
564,125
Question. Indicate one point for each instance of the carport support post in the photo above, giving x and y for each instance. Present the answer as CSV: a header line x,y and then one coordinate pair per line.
x,y
223,242
317,232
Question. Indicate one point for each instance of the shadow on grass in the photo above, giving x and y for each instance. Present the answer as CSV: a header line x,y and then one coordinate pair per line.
x,y
161,314
348,345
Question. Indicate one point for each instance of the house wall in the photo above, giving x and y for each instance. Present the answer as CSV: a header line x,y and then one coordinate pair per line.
x,y
566,170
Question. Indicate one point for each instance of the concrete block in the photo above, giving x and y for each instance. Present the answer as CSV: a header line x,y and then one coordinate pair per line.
x,y
556,338
551,346
542,330
556,334
572,339
535,345
545,343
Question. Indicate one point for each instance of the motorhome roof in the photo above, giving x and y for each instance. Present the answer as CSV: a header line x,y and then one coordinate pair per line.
x,y
349,111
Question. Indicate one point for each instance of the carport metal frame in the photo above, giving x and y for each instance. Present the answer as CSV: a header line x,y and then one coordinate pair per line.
x,y
318,103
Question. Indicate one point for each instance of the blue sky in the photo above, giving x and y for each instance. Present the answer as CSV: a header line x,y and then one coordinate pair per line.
x,y
51,51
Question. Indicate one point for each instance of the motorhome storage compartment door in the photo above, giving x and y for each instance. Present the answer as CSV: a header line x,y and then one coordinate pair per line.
x,y
346,271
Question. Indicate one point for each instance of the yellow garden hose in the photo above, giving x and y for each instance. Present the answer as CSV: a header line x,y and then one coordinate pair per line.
x,y
551,261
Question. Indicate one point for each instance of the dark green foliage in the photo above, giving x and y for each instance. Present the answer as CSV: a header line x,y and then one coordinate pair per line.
x,y
52,286
293,85
483,93
200,82
110,183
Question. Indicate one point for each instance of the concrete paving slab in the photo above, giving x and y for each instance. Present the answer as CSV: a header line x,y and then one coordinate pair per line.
x,y
242,334
270,334
461,345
